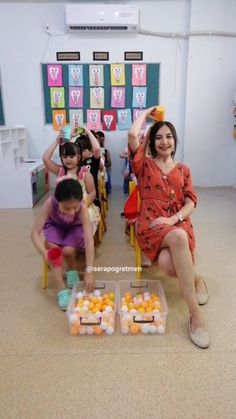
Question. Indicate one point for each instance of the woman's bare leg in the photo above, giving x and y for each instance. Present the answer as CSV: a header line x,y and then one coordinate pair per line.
x,y
177,243
165,263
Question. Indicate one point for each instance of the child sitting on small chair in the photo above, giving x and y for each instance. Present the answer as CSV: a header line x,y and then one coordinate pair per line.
x,y
71,159
64,219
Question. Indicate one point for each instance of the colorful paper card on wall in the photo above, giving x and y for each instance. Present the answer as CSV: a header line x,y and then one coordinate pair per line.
x,y
117,74
54,72
96,77
94,119
97,97
118,97
139,75
139,97
76,97
76,117
124,118
57,97
75,75
109,120
136,114
58,119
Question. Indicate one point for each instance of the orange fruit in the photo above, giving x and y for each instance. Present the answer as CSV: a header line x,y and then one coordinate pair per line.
x,y
91,306
95,310
149,309
134,328
112,296
141,309
106,301
94,300
97,330
98,306
74,329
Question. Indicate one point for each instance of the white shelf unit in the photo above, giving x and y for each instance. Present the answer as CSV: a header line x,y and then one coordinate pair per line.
x,y
13,147
22,181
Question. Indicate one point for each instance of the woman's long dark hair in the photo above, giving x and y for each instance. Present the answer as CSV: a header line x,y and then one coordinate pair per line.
x,y
153,132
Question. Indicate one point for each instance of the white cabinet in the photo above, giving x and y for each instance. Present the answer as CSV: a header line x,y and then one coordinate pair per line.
x,y
22,181
13,147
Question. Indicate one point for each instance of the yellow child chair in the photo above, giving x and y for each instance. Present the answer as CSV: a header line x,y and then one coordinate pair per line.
x,y
104,208
133,238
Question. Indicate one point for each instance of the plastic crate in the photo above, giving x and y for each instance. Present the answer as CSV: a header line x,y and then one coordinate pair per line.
x,y
142,307
94,313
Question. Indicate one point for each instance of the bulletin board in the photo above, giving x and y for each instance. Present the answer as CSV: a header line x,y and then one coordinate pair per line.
x,y
102,96
1,108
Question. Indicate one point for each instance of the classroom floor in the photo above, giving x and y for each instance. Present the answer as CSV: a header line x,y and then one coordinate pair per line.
x,y
45,373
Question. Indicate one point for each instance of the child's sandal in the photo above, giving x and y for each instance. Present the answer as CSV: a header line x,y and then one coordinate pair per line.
x,y
72,278
63,298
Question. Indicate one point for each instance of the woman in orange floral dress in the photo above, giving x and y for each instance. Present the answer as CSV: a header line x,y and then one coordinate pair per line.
x,y
164,230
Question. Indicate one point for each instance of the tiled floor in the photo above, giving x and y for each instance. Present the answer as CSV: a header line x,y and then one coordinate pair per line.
x,y
45,373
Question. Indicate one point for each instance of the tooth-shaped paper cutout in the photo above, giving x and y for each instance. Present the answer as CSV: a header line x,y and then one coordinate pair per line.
x,y
60,120
117,95
108,120
57,97
140,98
75,73
54,72
75,95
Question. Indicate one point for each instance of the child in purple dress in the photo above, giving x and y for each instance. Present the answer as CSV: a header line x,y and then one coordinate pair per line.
x,y
64,219
71,157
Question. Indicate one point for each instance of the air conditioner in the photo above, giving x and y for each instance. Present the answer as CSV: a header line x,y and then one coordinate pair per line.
x,y
92,17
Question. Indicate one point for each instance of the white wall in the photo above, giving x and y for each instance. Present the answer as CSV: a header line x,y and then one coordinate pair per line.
x,y
27,44
210,149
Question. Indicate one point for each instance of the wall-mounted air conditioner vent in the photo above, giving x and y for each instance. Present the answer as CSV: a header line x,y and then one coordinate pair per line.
x,y
91,17
99,28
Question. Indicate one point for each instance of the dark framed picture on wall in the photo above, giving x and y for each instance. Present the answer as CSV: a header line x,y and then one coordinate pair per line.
x,y
68,56
133,56
100,56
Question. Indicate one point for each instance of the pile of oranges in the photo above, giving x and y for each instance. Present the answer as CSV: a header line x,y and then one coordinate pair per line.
x,y
92,314
142,313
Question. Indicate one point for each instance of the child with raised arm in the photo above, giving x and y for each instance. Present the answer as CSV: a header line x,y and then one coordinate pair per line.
x,y
91,159
107,160
71,159
64,220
